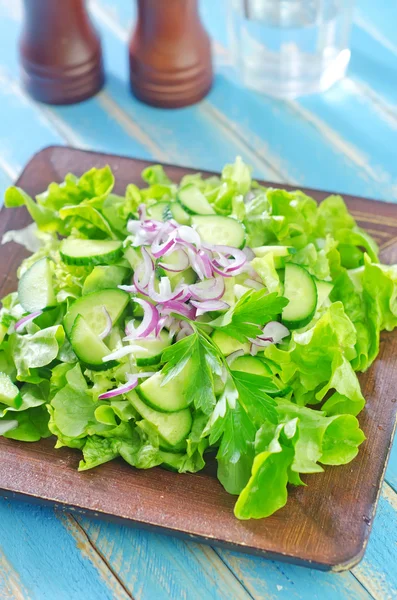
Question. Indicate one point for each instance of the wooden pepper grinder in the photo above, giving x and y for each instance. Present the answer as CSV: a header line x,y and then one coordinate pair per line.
x,y
170,54
60,52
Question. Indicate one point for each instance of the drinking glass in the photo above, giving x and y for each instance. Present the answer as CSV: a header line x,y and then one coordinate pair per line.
x,y
287,48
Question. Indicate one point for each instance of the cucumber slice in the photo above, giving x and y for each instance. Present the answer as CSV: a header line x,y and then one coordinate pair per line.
x,y
102,278
151,350
134,257
173,428
171,461
165,398
250,364
159,211
227,344
220,230
189,277
88,347
90,252
91,308
179,214
9,393
193,201
301,291
35,288
324,289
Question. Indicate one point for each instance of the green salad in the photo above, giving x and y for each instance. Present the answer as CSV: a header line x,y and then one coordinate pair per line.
x,y
181,323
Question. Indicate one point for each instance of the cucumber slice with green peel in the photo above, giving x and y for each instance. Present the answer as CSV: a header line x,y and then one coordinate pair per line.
x,y
193,201
9,392
179,214
88,347
161,211
217,230
189,277
173,428
250,364
35,288
171,461
227,344
167,398
151,350
134,257
104,277
324,289
90,252
301,291
92,306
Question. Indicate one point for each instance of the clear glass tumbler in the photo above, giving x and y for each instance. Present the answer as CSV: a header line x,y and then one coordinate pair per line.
x,y
287,48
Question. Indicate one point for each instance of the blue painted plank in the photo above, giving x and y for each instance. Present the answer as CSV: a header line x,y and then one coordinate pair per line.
x,y
377,572
47,559
155,566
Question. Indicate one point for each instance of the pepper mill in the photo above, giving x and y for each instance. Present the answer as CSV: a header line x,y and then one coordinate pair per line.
x,y
60,52
170,54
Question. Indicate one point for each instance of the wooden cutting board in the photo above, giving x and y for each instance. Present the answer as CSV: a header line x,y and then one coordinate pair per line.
x,y
325,525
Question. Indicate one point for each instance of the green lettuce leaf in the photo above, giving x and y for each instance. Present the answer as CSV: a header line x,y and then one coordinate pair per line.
x,y
32,351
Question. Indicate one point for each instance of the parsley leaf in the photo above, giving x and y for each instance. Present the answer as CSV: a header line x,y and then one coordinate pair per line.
x,y
254,309
253,393
202,359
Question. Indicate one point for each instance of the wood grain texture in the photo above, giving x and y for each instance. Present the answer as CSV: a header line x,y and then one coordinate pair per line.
x,y
310,530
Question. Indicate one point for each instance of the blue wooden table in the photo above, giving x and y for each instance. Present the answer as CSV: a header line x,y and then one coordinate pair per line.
x,y
345,140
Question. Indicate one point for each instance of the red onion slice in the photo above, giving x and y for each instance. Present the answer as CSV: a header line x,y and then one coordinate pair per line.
x,y
143,272
232,357
165,293
174,306
209,289
256,285
164,241
209,306
148,323
185,331
108,326
237,261
275,330
249,253
130,289
19,325
127,387
188,235
206,263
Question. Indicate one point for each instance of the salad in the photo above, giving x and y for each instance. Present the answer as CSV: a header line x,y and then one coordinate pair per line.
x,y
178,323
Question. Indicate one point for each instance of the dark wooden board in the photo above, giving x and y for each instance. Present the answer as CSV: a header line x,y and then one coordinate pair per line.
x,y
325,525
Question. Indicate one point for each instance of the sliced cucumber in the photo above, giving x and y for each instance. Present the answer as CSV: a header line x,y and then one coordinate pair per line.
x,y
104,277
280,253
165,398
250,364
90,252
174,428
134,257
223,231
151,350
179,214
227,344
193,201
35,288
9,393
88,347
92,306
171,461
189,277
159,211
301,291
324,289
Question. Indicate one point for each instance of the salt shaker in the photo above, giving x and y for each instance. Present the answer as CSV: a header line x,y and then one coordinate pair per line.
x,y
170,54
60,52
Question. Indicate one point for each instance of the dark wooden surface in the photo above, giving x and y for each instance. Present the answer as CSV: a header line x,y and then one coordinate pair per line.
x,y
325,525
